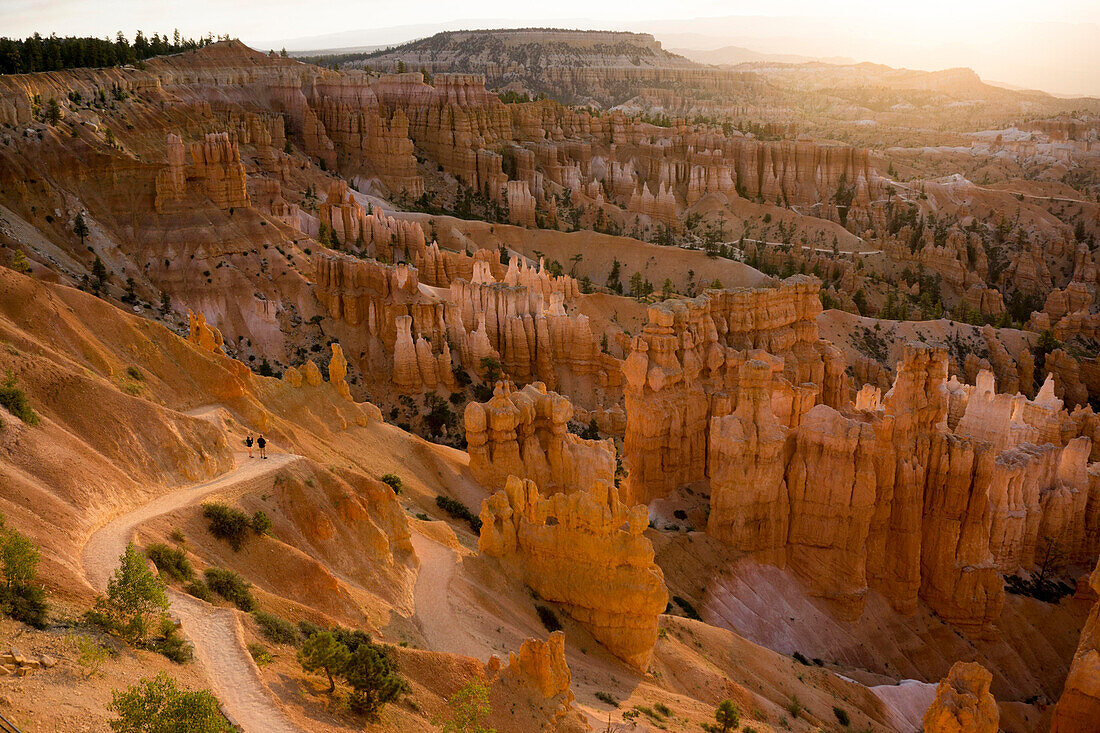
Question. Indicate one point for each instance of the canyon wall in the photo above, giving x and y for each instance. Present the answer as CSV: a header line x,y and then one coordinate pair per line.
x,y
685,367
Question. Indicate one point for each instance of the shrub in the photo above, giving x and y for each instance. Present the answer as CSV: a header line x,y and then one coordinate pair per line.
x,y
605,697
171,643
794,707
25,603
20,596
469,708
276,630
662,709
91,655
549,618
261,523
227,523
260,654
198,589
798,657
159,705
14,399
133,594
231,586
458,510
171,561
393,481
842,716
308,628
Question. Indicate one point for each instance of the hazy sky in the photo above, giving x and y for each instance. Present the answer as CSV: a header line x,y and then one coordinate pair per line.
x,y
1015,41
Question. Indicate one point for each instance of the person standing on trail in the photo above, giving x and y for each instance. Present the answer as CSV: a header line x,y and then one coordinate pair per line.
x,y
248,443
262,444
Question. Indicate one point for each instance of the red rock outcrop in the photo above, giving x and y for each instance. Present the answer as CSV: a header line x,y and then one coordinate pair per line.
x,y
963,702
204,335
586,551
685,365
525,433
542,665
215,168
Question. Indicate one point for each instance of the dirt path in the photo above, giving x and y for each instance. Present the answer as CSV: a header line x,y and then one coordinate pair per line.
x,y
441,626
215,632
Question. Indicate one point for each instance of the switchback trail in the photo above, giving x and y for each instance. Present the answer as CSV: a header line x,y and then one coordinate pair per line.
x,y
440,625
215,632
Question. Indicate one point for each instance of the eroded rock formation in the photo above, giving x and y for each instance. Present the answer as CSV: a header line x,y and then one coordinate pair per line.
x,y
204,335
963,702
215,169
584,550
525,433
930,492
685,366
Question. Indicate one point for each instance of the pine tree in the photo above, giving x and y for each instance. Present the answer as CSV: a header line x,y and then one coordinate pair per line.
x,y
53,111
99,276
323,653
19,262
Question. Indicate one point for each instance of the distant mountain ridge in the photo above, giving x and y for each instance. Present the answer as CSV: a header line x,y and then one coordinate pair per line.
x,y
735,55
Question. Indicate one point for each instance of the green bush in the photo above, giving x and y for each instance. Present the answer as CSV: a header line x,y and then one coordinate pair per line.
x,y
198,589
458,510
308,628
20,596
171,561
159,705
134,593
549,618
14,399
260,654
231,587
171,643
227,523
275,629
842,716
393,481
606,697
261,523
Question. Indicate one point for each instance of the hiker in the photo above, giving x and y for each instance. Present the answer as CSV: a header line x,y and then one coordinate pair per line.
x,y
248,443
262,444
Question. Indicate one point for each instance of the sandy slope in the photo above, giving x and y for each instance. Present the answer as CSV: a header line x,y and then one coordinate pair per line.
x,y
438,621
215,632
